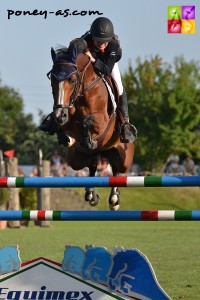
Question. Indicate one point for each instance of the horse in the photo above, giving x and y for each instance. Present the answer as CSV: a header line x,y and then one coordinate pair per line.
x,y
84,111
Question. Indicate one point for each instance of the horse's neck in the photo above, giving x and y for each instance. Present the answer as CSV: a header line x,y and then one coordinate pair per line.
x,y
82,61
85,66
96,98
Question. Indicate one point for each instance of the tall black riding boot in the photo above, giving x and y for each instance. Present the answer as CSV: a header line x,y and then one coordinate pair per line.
x,y
128,131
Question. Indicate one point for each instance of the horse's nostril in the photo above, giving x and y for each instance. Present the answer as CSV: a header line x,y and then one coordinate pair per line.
x,y
58,113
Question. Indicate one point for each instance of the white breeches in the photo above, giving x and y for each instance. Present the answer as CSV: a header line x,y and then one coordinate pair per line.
x,y
117,77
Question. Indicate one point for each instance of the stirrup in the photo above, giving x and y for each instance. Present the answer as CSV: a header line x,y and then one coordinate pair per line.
x,y
48,125
133,133
133,130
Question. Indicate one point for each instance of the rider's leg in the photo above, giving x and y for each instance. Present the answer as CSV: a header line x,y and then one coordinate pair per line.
x,y
128,131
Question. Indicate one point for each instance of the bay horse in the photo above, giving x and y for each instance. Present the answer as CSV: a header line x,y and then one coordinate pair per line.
x,y
83,109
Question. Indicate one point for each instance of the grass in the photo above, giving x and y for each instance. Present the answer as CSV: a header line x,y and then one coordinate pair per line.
x,y
173,248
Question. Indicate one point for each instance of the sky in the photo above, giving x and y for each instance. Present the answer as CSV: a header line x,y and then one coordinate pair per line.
x,y
26,40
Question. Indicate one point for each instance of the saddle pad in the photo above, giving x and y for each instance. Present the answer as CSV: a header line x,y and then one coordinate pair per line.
x,y
112,97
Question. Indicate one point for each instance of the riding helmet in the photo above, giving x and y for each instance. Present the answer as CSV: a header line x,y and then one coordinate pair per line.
x,y
102,30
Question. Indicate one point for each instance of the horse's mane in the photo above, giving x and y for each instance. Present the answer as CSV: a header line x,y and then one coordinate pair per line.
x,y
70,53
80,44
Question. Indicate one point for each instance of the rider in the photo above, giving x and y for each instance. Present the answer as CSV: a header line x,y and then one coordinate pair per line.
x,y
104,51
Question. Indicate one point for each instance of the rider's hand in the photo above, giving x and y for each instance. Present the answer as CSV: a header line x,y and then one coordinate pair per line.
x,y
88,53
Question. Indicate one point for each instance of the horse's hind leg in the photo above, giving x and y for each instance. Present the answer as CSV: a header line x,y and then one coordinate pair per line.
x,y
90,193
114,198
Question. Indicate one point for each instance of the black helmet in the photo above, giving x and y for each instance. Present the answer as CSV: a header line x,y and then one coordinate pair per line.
x,y
102,30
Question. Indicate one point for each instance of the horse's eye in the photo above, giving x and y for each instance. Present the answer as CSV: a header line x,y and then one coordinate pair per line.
x,y
72,80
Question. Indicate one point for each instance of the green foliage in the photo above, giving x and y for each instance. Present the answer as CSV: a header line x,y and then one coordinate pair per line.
x,y
28,198
17,130
164,104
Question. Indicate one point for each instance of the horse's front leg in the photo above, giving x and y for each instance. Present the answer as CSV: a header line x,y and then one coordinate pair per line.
x,y
87,141
114,198
90,193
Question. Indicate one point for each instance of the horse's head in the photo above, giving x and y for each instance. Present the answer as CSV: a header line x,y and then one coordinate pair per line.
x,y
64,93
65,81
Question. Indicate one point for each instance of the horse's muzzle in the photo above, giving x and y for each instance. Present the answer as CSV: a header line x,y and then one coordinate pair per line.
x,y
62,115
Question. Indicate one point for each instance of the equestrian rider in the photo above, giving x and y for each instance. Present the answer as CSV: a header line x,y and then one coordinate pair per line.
x,y
104,51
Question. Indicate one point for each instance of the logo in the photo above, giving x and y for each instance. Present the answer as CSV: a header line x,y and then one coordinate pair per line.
x,y
126,271
181,19
92,273
9,259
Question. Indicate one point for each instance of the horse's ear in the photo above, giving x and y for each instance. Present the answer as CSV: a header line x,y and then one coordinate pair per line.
x,y
73,54
54,55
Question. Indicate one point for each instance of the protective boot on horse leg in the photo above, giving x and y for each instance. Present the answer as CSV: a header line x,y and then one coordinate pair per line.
x,y
50,126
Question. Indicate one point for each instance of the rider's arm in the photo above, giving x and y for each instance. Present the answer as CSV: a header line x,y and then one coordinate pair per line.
x,y
105,62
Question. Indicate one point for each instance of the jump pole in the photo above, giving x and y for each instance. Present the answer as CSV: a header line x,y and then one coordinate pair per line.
x,y
149,215
120,181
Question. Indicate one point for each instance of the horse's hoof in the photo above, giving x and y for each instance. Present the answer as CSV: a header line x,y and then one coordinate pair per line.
x,y
92,198
88,196
95,200
114,200
115,207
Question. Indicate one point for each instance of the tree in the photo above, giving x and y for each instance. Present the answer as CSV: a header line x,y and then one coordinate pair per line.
x,y
18,131
14,124
164,103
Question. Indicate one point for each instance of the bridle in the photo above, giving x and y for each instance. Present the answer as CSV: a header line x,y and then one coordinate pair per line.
x,y
80,89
